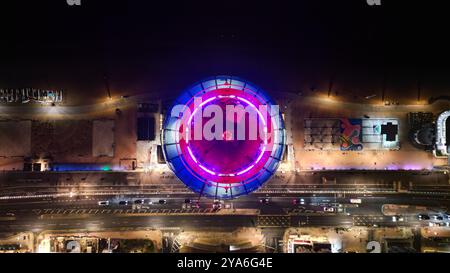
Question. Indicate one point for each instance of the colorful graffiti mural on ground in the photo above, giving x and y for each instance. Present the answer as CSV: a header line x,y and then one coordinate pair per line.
x,y
351,137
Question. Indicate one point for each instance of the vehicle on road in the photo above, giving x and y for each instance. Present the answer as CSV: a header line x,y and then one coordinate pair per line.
x,y
139,202
191,206
422,217
397,218
162,201
298,201
434,224
437,217
103,203
265,201
329,209
123,203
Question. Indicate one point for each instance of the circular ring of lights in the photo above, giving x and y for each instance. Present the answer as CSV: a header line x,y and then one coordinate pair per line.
x,y
231,165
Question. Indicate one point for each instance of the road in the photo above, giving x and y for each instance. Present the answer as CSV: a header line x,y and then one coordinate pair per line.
x,y
132,183
80,210
87,215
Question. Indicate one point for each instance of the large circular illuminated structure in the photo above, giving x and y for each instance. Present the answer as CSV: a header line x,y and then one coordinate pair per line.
x,y
219,153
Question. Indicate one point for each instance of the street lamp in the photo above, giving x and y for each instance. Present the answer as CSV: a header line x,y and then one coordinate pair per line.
x,y
419,87
330,86
108,91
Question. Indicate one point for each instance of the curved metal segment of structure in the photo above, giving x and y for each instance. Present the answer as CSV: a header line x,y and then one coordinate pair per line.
x,y
234,162
442,143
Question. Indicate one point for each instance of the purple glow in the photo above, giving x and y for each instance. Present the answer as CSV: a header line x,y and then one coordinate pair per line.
x,y
246,170
207,170
199,107
256,109
191,154
390,167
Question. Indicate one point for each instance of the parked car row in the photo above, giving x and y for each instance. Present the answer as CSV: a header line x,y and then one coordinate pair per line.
x,y
435,219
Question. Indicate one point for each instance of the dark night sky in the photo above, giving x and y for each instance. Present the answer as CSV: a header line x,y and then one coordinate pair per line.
x,y
279,45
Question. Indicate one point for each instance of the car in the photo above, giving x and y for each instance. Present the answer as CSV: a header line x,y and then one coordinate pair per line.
x,y
437,217
123,203
299,201
265,201
187,201
139,202
397,218
162,201
422,217
328,209
103,203
191,206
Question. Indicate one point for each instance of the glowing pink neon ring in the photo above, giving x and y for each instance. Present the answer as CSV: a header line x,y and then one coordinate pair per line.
x,y
263,150
233,157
